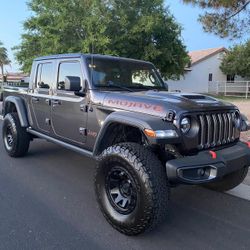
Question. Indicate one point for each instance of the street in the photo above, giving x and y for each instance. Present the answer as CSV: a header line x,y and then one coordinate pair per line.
x,y
47,202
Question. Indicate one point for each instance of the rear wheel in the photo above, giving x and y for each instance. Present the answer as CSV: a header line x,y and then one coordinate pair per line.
x,y
16,139
131,188
229,181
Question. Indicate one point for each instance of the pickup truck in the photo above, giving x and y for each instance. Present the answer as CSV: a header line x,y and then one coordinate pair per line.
x,y
145,139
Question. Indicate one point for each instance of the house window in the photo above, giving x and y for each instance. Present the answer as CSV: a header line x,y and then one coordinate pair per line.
x,y
230,78
210,77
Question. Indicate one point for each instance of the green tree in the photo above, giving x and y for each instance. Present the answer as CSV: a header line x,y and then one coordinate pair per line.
x,y
237,61
146,30
225,18
4,59
61,27
141,29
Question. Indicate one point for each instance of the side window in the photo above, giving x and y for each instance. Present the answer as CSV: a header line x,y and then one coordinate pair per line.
x,y
38,74
44,75
68,69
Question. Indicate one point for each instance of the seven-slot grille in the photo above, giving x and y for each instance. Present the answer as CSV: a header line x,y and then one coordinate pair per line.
x,y
217,129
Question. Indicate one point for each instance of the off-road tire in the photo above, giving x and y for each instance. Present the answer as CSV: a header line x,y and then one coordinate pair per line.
x,y
150,181
229,181
21,139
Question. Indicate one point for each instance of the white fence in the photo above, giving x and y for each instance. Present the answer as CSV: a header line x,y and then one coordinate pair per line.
x,y
237,88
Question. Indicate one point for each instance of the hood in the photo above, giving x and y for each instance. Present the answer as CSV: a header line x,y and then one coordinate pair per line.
x,y
160,103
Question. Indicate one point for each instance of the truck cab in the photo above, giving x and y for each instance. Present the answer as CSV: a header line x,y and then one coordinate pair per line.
x,y
144,138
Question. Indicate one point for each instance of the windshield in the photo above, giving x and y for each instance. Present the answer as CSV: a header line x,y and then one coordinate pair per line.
x,y
123,74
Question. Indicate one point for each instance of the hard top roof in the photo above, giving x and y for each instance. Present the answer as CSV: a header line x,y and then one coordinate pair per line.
x,y
79,55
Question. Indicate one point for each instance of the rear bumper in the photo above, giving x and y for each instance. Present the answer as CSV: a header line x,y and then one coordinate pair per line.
x,y
203,168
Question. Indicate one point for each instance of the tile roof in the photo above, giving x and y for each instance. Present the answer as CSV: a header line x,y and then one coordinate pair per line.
x,y
14,76
200,55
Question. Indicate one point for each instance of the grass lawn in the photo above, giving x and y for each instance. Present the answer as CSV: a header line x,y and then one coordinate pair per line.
x,y
231,98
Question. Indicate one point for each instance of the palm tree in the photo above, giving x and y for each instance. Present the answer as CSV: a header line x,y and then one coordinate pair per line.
x,y
4,59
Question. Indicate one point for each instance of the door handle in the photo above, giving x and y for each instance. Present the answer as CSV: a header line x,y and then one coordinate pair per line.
x,y
48,101
56,102
35,99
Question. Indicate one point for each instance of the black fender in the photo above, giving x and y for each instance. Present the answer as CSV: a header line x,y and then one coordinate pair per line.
x,y
20,108
137,120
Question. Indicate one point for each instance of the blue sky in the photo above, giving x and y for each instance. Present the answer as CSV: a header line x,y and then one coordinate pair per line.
x,y
16,11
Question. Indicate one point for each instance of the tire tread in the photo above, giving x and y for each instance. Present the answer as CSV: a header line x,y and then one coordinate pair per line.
x,y
154,176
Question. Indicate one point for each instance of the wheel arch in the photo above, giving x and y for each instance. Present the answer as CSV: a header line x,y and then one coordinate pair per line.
x,y
16,104
138,122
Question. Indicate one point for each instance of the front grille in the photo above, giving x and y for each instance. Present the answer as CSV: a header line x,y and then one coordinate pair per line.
x,y
217,129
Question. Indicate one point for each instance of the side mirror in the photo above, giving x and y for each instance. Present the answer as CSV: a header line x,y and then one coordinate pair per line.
x,y
72,83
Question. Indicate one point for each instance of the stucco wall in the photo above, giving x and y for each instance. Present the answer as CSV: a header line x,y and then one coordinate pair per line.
x,y
197,79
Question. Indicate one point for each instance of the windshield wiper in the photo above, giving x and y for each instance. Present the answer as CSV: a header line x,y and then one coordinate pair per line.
x,y
141,86
112,84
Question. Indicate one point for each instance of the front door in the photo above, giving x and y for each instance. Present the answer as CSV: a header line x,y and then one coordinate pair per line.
x,y
40,98
69,114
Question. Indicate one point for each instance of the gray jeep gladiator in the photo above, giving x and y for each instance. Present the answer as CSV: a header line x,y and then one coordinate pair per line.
x,y
145,139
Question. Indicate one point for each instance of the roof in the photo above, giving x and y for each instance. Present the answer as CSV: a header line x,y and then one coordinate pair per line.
x,y
14,76
70,55
78,55
200,55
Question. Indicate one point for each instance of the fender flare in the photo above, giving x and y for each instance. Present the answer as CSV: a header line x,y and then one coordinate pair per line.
x,y
20,107
137,120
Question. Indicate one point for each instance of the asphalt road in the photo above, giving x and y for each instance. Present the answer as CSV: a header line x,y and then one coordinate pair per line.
x,y
47,202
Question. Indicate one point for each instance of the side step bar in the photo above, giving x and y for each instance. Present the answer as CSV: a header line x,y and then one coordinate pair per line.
x,y
61,143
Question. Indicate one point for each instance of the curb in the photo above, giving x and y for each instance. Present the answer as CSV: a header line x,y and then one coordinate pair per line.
x,y
242,191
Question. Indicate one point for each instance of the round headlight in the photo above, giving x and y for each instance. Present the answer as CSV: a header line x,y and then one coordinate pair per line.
x,y
185,125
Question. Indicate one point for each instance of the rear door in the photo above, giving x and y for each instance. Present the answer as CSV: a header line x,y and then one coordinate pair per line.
x,y
69,114
40,97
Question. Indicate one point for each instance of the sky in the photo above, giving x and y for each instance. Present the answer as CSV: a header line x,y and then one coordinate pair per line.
x,y
14,13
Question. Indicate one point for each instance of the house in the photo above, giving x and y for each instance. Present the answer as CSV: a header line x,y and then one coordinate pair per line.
x,y
203,71
15,77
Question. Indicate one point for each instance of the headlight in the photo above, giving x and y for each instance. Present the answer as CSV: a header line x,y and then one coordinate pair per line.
x,y
185,125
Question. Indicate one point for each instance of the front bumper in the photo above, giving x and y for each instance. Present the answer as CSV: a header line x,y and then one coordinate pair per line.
x,y
203,168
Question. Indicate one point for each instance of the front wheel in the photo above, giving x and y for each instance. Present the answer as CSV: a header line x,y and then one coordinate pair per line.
x,y
131,188
15,138
229,181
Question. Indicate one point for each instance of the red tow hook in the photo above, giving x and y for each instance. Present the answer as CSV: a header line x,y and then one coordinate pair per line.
x,y
247,143
213,154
